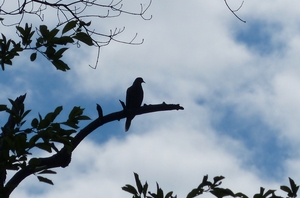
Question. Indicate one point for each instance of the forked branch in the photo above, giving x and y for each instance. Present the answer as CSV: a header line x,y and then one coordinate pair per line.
x,y
234,11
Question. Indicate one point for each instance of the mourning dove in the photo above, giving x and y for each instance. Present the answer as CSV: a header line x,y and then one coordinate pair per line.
x,y
134,98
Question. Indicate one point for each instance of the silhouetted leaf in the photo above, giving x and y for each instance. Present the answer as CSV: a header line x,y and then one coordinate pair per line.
x,y
130,189
294,187
59,53
145,189
222,192
52,33
33,56
195,192
60,65
286,189
69,26
47,172
44,146
138,183
34,123
63,40
217,179
45,180
85,38
169,194
239,194
44,30
269,192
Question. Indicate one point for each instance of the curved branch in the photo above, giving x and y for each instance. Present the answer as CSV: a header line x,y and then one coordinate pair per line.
x,y
233,11
63,157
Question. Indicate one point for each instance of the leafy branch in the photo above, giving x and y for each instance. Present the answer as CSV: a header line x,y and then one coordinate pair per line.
x,y
72,17
45,133
206,186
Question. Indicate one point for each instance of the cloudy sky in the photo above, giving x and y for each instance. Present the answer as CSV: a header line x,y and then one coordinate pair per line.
x,y
238,82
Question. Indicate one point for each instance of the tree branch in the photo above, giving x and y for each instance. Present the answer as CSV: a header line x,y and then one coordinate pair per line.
x,y
234,11
63,157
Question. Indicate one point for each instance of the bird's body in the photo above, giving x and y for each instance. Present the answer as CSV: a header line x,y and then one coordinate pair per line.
x,y
134,98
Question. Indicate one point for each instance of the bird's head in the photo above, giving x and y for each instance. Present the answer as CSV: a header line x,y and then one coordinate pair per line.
x,y
138,80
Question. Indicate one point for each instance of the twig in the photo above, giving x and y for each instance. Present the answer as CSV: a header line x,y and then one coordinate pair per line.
x,y
233,11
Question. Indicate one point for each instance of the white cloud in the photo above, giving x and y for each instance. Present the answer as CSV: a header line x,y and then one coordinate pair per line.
x,y
176,160
190,56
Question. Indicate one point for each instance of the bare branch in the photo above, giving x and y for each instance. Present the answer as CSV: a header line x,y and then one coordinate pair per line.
x,y
234,11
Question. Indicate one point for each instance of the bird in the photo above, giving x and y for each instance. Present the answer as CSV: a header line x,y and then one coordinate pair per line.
x,y
134,98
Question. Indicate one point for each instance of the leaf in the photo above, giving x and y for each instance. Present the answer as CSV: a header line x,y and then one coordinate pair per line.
x,y
160,193
60,65
33,56
195,192
53,33
75,112
286,189
33,140
46,180
44,30
217,179
169,194
294,187
59,53
83,37
44,124
82,23
44,146
71,124
25,113
63,40
130,189
269,192
69,26
145,189
47,172
50,117
34,123
138,183
222,192
50,52
26,34
21,30
239,194
83,118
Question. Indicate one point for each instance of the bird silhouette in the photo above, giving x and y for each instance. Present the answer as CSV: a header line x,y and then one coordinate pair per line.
x,y
134,98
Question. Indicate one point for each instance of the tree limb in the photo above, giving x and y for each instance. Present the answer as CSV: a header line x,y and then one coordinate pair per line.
x,y
63,157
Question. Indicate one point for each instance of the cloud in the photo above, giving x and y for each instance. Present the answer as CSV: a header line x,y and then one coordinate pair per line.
x,y
241,104
178,161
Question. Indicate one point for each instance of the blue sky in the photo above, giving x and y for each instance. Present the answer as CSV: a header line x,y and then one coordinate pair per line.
x,y
239,84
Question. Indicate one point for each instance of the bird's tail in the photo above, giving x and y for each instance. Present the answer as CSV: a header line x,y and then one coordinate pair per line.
x,y
127,123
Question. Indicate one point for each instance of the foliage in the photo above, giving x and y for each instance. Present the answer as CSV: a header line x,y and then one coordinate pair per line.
x,y
45,133
17,142
73,26
213,187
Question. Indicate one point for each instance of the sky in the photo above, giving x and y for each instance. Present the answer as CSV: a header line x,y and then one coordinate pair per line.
x,y
238,83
